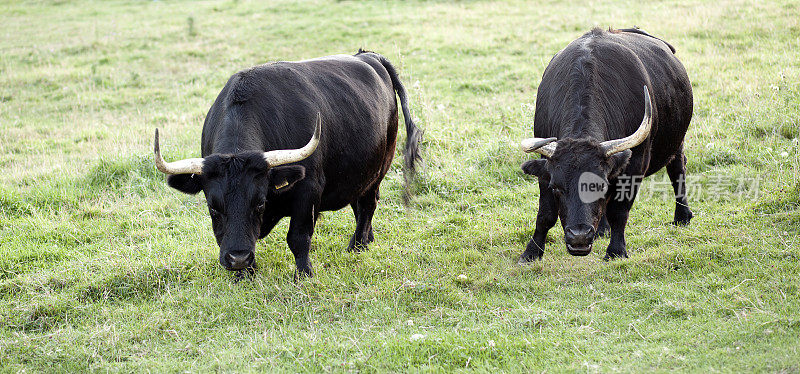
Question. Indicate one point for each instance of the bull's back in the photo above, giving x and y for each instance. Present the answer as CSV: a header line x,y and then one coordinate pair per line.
x,y
672,90
611,67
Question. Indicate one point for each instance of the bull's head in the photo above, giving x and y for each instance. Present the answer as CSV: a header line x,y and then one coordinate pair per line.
x,y
239,189
578,171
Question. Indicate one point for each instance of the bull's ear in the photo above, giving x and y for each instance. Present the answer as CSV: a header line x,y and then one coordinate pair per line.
x,y
283,178
619,162
536,168
186,183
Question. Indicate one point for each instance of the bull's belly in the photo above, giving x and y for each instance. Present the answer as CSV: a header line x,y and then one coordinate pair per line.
x,y
660,158
360,177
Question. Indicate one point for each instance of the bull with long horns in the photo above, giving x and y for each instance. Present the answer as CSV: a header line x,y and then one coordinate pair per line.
x,y
599,136
255,169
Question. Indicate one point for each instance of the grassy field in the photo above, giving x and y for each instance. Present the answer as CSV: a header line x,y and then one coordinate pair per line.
x,y
105,268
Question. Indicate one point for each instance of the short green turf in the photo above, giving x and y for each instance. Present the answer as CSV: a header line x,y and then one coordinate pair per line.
x,y
105,268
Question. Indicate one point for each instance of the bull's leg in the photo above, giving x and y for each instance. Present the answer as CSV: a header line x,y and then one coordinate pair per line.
x,y
545,220
354,205
267,224
364,210
301,228
603,227
617,212
676,169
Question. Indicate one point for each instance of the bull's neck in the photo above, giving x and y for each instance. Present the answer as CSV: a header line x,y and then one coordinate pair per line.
x,y
236,144
586,112
585,127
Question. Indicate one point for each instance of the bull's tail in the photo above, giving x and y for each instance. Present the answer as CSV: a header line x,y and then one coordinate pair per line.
x,y
411,152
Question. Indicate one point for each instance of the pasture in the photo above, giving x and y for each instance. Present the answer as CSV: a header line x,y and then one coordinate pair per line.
x,y
103,267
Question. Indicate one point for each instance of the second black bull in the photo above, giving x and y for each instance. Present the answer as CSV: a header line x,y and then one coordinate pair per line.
x,y
600,130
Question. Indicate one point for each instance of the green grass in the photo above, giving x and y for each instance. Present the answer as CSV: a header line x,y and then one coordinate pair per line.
x,y
104,268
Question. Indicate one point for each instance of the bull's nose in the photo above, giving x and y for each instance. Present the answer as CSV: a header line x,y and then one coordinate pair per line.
x,y
579,236
239,261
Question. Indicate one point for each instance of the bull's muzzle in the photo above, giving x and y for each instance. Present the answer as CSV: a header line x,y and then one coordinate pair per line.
x,y
579,251
579,239
237,261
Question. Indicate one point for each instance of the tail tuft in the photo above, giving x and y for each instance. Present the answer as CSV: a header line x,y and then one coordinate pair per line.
x,y
411,153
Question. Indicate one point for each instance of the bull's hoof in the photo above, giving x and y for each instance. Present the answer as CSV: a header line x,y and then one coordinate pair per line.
x,y
526,259
359,245
613,256
530,256
682,218
302,274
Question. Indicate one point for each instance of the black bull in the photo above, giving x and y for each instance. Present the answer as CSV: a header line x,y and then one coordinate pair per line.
x,y
254,171
609,135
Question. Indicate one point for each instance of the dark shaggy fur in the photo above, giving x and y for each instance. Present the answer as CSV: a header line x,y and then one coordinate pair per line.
x,y
275,106
592,92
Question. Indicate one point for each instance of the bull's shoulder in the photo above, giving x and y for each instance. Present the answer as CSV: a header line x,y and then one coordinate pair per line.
x,y
248,83
242,85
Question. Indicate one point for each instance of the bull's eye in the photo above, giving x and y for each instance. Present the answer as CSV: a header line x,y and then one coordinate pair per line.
x,y
558,191
261,207
213,212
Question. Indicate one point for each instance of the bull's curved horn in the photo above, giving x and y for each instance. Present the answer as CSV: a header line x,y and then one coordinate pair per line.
x,y
187,166
543,146
628,142
286,156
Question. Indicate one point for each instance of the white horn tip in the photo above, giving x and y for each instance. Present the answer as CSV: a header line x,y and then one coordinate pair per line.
x,y
531,145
